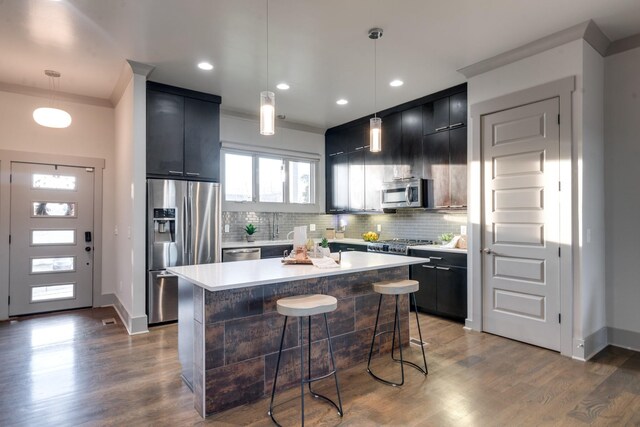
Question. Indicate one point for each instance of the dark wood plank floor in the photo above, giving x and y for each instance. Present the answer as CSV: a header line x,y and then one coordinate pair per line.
x,y
68,369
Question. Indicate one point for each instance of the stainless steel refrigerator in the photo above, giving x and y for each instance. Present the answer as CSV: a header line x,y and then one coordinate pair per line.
x,y
183,228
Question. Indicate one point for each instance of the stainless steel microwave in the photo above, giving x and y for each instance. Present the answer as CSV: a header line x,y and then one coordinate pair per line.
x,y
412,193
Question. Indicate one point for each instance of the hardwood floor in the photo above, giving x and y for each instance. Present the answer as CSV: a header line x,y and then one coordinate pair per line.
x,y
69,369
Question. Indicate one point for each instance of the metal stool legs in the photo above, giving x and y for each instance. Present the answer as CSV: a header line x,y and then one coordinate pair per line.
x,y
396,326
309,379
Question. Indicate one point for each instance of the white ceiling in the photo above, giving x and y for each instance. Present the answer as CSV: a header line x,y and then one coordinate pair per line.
x,y
319,47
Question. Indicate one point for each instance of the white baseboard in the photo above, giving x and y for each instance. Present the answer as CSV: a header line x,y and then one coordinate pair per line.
x,y
624,339
134,325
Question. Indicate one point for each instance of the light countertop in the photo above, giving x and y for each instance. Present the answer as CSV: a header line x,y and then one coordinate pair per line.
x,y
438,248
241,274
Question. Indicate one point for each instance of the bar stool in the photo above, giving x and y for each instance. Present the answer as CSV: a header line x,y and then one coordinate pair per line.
x,y
397,288
307,306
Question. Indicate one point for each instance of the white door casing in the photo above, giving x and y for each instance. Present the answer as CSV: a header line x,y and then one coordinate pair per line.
x,y
521,234
47,271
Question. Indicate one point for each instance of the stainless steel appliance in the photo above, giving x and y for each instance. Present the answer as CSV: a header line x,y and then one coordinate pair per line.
x,y
243,254
411,193
396,246
183,228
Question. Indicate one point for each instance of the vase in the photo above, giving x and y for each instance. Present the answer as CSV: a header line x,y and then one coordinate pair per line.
x,y
251,238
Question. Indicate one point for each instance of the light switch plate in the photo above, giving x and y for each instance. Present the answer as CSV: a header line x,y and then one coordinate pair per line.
x,y
379,227
226,228
463,230
312,227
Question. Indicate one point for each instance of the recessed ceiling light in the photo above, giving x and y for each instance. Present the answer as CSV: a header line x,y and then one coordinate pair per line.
x,y
342,102
282,86
396,83
206,66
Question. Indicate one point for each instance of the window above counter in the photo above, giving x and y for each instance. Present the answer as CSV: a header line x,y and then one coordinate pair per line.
x,y
255,178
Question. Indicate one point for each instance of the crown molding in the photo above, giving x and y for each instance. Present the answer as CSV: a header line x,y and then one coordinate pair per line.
x,y
588,30
623,45
45,93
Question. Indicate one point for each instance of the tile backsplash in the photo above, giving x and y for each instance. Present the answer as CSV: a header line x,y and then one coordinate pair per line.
x,y
416,224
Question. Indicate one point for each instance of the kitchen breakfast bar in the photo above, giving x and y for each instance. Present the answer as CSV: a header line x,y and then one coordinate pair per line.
x,y
229,329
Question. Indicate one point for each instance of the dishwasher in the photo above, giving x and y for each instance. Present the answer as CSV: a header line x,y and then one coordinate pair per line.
x,y
242,254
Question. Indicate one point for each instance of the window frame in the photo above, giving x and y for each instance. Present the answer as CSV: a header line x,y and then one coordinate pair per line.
x,y
255,204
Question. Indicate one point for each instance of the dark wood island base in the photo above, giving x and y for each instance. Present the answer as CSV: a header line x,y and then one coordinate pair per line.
x,y
230,357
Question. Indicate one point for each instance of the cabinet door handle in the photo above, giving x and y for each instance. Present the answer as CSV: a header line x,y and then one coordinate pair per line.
x,y
442,128
428,266
435,257
455,125
443,268
339,152
175,172
359,148
192,174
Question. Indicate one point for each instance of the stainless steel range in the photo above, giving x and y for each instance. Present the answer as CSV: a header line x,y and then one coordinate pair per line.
x,y
396,246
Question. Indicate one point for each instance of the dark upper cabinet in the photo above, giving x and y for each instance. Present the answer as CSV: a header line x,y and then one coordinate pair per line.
x,y
201,139
435,153
356,181
356,138
458,166
183,133
337,183
165,127
334,144
436,116
391,146
458,110
412,143
445,114
373,179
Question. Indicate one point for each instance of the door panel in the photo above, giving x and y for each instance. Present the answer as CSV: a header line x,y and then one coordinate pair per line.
x,y
458,166
165,133
201,139
435,152
51,255
166,223
356,181
521,276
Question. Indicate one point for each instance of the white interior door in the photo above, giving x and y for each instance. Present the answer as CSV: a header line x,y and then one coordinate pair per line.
x,y
521,265
51,238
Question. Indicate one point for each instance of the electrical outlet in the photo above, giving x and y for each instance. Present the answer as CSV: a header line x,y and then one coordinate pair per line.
x,y
379,227
463,230
226,228
312,227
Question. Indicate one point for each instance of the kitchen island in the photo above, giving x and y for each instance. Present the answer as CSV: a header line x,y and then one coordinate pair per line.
x,y
229,329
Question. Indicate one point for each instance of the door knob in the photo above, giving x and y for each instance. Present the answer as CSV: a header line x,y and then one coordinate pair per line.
x,y
487,251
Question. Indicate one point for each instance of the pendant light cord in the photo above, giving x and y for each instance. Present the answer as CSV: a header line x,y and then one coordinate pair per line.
x,y
267,86
375,78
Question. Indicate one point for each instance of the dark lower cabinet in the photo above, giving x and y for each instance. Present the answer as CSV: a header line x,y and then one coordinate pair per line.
x,y
443,283
276,251
346,247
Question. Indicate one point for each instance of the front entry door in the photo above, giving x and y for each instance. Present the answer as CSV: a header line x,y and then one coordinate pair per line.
x,y
51,238
521,265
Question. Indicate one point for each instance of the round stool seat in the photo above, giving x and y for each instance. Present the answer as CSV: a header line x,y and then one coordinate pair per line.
x,y
396,287
307,305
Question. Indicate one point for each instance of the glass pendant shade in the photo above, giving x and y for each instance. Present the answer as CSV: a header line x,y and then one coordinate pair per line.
x,y
267,113
52,117
375,134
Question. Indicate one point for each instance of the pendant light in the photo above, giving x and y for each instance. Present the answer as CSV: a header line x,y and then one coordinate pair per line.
x,y
267,98
52,117
375,123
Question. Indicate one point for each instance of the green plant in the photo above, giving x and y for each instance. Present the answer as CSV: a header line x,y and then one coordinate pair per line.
x,y
250,229
446,237
324,242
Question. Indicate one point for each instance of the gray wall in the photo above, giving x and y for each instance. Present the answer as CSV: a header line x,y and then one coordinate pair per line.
x,y
622,176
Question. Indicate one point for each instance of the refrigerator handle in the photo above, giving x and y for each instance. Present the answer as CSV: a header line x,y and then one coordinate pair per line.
x,y
185,233
190,223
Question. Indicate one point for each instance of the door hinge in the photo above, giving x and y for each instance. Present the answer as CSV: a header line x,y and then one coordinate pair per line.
x,y
559,251
9,300
559,185
559,317
558,118
9,238
10,178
